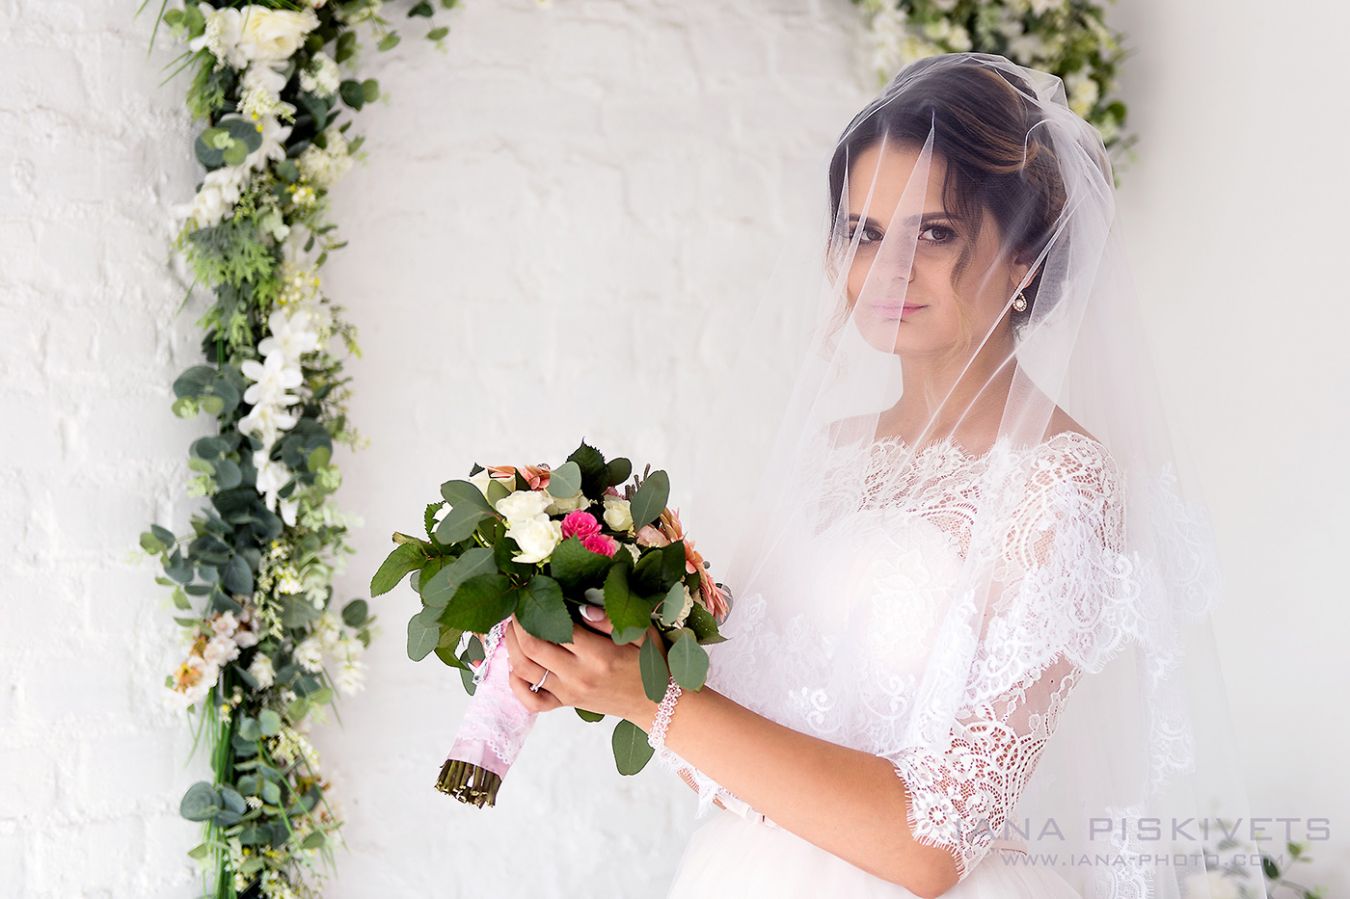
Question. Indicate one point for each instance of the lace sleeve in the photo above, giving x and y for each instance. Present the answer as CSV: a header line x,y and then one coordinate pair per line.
x,y
1049,621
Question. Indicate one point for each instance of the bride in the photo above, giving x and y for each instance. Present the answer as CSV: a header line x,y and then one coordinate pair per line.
x,y
959,661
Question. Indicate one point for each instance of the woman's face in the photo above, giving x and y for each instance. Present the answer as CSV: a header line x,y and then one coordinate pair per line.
x,y
917,309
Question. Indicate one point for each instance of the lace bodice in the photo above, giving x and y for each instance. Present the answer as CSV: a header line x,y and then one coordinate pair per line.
x,y
863,670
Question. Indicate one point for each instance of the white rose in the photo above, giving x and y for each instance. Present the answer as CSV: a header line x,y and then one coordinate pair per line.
x,y
273,35
524,505
536,537
261,670
481,481
618,513
688,606
219,650
569,504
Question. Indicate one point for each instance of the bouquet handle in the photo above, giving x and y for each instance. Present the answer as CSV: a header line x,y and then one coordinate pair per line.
x,y
492,733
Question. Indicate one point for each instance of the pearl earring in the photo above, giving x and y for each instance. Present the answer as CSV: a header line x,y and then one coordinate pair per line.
x,y
1020,301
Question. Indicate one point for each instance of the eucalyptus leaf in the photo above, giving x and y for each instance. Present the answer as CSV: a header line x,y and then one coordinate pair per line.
x,y
650,499
423,633
631,749
565,480
655,673
200,802
630,614
688,661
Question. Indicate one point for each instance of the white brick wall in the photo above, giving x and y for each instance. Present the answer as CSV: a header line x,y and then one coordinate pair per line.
x,y
562,176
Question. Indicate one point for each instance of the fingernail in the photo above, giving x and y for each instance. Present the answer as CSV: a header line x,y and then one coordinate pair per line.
x,y
592,613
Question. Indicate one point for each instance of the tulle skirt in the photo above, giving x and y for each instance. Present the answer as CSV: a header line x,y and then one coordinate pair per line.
x,y
729,855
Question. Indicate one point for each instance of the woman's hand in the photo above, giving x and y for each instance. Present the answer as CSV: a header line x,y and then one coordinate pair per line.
x,y
592,672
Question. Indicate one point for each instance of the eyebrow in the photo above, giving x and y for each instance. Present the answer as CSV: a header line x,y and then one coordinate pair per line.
x,y
938,214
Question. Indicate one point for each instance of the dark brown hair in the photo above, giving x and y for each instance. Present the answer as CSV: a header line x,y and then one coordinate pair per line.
x,y
983,120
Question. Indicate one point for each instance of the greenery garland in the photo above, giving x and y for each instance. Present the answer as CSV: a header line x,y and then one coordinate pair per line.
x,y
1068,38
266,650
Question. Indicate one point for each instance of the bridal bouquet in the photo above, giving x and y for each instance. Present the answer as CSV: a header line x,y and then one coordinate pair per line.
x,y
537,543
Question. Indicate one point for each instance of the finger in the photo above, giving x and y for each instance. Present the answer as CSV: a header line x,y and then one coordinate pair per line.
x,y
603,624
551,655
541,701
519,661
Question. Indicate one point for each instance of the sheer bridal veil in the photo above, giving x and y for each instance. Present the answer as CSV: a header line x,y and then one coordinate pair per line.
x,y
969,549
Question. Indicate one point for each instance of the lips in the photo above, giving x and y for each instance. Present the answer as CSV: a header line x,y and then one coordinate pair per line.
x,y
898,309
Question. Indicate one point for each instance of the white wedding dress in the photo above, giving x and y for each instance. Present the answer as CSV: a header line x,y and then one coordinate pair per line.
x,y
900,543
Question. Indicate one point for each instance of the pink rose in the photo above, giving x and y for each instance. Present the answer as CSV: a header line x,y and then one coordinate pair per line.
x,y
579,524
603,544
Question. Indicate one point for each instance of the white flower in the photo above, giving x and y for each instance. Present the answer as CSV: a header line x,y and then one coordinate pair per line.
x,y
267,422
324,167
1041,7
260,92
220,190
482,481
618,513
221,37
273,35
245,637
1083,92
273,376
219,650
686,608
321,78
567,504
273,146
291,335
309,654
536,537
262,671
224,624
524,505
287,510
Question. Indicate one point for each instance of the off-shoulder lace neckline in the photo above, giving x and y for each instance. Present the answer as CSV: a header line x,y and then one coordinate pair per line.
x,y
948,446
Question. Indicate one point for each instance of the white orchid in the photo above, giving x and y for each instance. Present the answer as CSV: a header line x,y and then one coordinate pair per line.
x,y
273,377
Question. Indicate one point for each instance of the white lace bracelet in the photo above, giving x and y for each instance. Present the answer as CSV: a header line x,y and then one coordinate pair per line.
x,y
657,738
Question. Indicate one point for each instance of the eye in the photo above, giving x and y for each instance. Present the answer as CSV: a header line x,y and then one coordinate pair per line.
x,y
865,239
948,232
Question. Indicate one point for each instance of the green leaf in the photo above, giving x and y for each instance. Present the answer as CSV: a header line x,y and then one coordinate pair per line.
x,y
460,522
406,557
543,612
650,499
479,603
617,471
237,576
589,717
151,544
565,480
655,673
440,587
702,623
573,565
370,88
631,749
672,604
355,613
424,631
199,851
313,841
464,493
630,614
271,793
688,661
436,34
248,728
270,722
350,90
200,802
